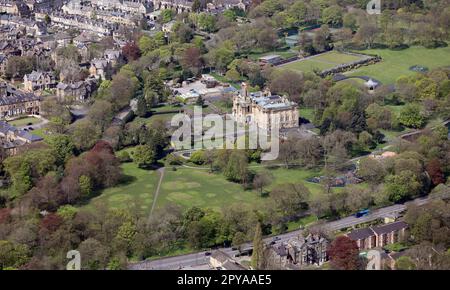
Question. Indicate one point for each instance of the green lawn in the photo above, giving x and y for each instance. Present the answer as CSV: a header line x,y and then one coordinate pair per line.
x,y
149,121
306,113
321,62
24,121
195,187
135,193
294,175
397,62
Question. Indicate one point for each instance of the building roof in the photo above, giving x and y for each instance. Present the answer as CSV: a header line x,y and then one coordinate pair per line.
x,y
14,96
388,228
232,265
29,137
280,250
220,256
360,234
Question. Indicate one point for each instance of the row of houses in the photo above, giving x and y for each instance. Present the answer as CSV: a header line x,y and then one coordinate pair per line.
x,y
12,138
14,102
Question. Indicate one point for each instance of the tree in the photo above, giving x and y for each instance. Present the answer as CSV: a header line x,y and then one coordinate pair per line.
x,y
85,134
344,254
411,116
62,146
237,167
13,255
18,66
94,254
101,113
371,170
261,180
192,60
367,33
402,186
144,156
198,157
404,263
287,82
258,249
131,51
291,199
332,16
85,185
434,169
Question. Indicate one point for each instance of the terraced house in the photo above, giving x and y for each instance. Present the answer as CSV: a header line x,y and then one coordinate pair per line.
x,y
14,102
379,236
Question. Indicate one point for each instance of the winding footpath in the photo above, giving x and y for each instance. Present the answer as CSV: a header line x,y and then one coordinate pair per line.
x,y
161,171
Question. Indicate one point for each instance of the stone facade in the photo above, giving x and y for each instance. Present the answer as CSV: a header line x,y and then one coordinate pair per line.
x,y
299,252
263,108
14,102
39,81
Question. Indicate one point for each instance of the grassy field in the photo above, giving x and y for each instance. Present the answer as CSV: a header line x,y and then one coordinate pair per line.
x,y
135,193
149,121
24,121
397,62
196,187
320,62
283,176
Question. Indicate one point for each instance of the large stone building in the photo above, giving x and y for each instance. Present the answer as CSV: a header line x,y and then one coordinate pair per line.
x,y
299,252
263,108
39,80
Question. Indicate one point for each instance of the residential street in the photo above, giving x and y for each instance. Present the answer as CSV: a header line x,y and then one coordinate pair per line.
x,y
200,258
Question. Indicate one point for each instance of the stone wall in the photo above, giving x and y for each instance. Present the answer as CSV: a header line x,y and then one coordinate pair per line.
x,y
369,60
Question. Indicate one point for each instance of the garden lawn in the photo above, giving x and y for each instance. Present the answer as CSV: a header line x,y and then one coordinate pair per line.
x,y
166,118
24,121
396,63
320,62
135,193
294,175
196,187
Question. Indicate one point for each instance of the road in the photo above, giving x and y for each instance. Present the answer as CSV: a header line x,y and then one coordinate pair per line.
x,y
200,258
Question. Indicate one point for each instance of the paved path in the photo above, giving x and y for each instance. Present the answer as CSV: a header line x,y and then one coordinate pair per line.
x,y
155,197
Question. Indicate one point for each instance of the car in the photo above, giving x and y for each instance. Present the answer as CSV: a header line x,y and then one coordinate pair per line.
x,y
234,248
29,124
272,243
207,253
362,213
31,128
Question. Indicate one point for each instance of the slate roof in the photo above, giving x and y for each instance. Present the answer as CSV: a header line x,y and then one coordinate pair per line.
x,y
14,96
220,256
385,229
360,234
